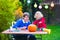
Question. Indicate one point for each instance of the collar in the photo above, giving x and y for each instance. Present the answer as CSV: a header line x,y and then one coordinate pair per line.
x,y
24,21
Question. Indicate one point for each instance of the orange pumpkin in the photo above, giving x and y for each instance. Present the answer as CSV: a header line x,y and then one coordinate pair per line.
x,y
32,28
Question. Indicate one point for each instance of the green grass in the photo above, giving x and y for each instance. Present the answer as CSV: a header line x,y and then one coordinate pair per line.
x,y
55,33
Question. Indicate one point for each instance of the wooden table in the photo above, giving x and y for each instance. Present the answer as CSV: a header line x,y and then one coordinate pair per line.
x,y
24,32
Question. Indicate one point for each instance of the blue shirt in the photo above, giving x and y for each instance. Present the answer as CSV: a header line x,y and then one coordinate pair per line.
x,y
21,23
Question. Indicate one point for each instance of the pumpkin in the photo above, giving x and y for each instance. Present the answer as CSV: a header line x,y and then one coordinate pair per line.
x,y
32,28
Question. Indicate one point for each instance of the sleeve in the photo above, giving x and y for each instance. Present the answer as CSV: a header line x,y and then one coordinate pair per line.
x,y
18,23
29,23
42,23
42,20
35,22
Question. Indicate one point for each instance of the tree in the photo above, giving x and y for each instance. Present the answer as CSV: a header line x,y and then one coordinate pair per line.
x,y
7,8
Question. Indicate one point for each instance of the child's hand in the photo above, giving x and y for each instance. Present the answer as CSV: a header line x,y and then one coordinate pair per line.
x,y
23,28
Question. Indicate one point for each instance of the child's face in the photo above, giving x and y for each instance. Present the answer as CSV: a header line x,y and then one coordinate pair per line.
x,y
37,16
26,18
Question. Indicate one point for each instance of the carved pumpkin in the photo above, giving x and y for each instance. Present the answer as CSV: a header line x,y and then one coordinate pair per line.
x,y
32,28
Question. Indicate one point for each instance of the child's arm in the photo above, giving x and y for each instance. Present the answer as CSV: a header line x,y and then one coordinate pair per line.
x,y
42,23
18,23
35,22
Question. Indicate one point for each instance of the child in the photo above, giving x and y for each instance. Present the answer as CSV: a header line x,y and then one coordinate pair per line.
x,y
40,20
22,24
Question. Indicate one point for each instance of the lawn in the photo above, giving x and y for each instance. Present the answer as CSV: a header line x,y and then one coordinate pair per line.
x,y
55,33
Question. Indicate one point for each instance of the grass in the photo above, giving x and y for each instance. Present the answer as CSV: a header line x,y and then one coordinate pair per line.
x,y
55,33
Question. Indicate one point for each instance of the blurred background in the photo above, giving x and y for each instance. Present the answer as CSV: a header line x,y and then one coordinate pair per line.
x,y
12,10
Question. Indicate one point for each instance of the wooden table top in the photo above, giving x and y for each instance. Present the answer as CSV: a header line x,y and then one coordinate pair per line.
x,y
22,32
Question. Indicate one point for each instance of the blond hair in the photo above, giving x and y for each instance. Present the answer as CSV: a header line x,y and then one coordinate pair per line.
x,y
39,14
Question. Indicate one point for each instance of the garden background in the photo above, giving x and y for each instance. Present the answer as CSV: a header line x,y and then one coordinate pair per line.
x,y
11,10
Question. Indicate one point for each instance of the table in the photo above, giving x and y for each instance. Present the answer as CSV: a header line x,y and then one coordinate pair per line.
x,y
24,32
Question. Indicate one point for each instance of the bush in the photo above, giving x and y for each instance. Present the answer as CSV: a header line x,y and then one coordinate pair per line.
x,y
7,8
